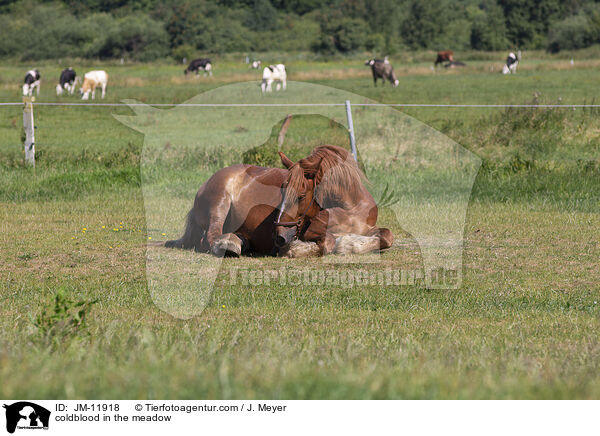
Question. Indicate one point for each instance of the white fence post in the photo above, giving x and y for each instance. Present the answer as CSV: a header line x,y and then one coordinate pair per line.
x,y
351,130
29,127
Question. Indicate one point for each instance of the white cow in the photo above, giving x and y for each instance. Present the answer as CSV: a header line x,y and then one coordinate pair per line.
x,y
91,80
271,74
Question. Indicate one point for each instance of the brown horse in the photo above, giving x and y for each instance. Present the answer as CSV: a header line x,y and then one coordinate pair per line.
x,y
251,209
325,191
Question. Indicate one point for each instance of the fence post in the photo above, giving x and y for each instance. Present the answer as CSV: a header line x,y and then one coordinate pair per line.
x,y
29,127
351,130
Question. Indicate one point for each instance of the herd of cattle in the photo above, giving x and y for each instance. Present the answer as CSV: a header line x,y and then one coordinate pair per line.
x,y
380,68
67,81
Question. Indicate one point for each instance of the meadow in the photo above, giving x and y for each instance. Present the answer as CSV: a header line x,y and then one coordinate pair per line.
x,y
78,321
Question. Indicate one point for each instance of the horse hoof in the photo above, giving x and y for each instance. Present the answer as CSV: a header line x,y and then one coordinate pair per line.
x,y
327,245
229,245
356,244
174,244
300,249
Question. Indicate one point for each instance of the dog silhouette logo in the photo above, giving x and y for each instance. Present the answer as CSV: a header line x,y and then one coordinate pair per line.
x,y
26,415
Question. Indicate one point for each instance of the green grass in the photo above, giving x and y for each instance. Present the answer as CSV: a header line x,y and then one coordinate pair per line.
x,y
525,323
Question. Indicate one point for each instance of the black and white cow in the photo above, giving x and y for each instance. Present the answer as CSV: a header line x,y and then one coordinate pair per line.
x,y
511,63
31,82
274,73
67,80
196,65
382,69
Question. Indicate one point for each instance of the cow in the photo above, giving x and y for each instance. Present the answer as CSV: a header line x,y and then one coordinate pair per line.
x,y
511,63
196,65
67,81
31,82
91,80
444,56
382,69
255,65
274,73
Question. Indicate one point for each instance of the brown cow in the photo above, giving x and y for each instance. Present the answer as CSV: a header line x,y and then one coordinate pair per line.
x,y
444,56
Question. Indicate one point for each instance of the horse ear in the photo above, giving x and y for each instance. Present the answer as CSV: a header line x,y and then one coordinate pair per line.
x,y
285,160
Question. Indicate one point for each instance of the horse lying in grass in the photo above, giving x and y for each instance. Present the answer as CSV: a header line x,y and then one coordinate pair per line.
x,y
320,200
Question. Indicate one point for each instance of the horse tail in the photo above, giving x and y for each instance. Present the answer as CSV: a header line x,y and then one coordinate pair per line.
x,y
192,236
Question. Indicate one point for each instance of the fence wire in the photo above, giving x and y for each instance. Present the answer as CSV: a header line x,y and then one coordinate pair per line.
x,y
417,105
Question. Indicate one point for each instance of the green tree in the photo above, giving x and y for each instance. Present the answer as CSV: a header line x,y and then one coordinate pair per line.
x,y
344,35
528,21
488,31
262,17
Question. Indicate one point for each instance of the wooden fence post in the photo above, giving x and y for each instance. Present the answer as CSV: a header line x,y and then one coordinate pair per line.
x,y
29,127
283,131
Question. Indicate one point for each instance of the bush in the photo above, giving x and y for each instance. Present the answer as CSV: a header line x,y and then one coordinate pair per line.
x,y
63,319
149,29
61,34
488,31
138,37
375,42
184,51
344,35
568,34
262,17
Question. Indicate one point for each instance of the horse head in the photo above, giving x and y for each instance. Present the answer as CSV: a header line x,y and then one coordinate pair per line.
x,y
328,178
298,203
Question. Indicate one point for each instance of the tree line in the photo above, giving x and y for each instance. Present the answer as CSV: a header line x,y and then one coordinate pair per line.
x,y
146,30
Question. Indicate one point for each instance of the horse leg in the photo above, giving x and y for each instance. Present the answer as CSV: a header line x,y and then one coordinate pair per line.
x,y
384,236
227,245
358,236
222,244
374,240
103,89
318,232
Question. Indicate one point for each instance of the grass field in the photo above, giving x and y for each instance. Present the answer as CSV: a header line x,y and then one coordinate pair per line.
x,y
525,323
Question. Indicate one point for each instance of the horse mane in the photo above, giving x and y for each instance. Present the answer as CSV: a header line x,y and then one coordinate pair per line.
x,y
295,184
336,174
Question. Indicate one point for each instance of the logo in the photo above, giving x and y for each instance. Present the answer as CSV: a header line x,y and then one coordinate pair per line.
x,y
26,415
